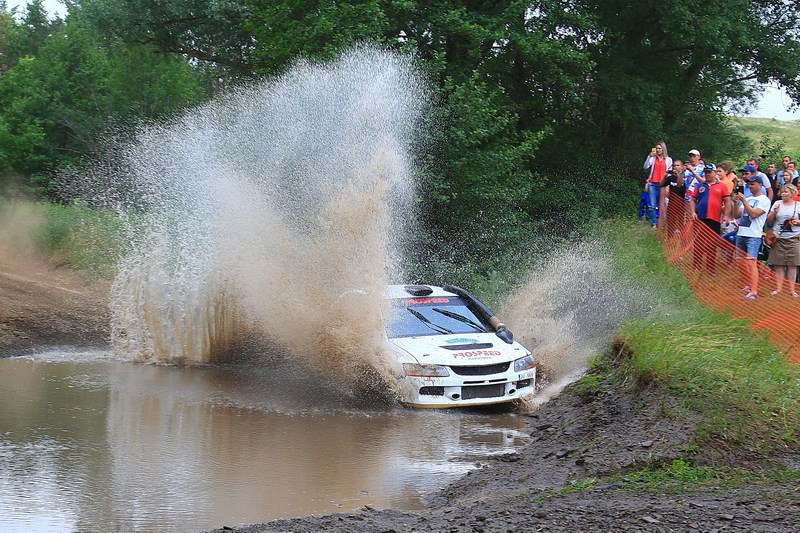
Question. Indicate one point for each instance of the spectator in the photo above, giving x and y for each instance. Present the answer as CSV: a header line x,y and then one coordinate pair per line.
x,y
710,204
726,175
695,163
677,184
752,214
691,177
659,163
785,178
786,160
785,255
749,170
774,179
792,167
766,188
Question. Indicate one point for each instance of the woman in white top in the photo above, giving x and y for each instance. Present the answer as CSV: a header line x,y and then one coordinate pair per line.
x,y
785,255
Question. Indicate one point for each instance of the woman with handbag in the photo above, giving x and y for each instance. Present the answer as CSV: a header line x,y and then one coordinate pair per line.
x,y
785,253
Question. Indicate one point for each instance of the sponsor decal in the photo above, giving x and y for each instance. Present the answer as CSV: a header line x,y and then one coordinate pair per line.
x,y
476,353
423,301
461,341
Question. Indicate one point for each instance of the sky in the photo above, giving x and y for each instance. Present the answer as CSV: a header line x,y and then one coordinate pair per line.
x,y
773,102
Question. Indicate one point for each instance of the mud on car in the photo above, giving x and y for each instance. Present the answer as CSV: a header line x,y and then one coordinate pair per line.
x,y
451,351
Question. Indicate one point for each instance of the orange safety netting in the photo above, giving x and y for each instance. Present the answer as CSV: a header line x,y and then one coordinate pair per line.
x,y
715,275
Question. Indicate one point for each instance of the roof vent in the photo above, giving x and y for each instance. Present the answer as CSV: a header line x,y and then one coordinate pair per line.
x,y
418,290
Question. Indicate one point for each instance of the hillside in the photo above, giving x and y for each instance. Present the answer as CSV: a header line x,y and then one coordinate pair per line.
x,y
755,128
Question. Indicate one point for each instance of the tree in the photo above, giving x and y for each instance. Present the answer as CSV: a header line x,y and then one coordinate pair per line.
x,y
204,31
56,105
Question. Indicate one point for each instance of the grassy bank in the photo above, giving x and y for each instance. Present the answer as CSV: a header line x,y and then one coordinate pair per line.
x,y
76,236
746,391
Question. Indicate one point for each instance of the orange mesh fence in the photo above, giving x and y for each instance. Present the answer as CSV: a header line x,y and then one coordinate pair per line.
x,y
717,273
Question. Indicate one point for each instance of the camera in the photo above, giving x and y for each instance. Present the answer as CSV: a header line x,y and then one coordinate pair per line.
x,y
739,189
786,226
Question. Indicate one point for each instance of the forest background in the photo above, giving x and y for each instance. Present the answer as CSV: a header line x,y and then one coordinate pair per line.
x,y
543,110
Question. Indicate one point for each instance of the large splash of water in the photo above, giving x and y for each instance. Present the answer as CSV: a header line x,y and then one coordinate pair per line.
x,y
280,212
567,312
265,210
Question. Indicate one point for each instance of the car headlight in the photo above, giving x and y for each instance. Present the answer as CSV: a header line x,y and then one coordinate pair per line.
x,y
523,363
430,371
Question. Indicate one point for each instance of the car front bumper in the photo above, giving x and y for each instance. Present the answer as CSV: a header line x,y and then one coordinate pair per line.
x,y
455,391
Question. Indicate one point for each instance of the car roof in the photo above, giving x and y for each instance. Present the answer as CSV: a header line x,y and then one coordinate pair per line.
x,y
407,291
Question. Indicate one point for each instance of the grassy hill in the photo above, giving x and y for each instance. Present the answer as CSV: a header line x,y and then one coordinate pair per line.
x,y
787,131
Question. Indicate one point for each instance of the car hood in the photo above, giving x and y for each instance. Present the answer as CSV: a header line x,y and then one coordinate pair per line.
x,y
459,350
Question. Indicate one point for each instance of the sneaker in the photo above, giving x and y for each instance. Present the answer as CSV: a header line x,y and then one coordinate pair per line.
x,y
746,288
795,295
775,293
750,296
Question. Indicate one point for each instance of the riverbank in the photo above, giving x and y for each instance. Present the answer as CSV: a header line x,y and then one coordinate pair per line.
x,y
44,306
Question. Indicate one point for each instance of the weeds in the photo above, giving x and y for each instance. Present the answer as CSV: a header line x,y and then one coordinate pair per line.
x,y
75,235
579,485
679,475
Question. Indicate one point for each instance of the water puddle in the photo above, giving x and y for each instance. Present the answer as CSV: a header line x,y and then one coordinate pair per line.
x,y
88,443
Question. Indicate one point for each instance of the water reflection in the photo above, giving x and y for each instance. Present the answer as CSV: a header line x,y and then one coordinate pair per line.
x,y
90,444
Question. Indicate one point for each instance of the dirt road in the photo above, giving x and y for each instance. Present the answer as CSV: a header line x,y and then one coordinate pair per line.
x,y
42,306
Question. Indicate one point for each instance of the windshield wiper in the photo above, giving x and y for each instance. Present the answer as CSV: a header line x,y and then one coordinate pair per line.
x,y
460,318
434,327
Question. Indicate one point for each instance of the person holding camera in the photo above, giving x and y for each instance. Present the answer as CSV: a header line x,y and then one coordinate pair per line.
x,y
785,253
752,214
752,165
659,163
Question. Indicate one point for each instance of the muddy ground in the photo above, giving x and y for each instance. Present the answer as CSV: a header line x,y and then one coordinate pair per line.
x,y
42,307
567,479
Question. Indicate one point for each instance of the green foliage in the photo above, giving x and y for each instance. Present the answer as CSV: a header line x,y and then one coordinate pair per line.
x,y
774,138
319,29
580,485
85,239
677,472
57,101
544,109
207,32
747,390
682,475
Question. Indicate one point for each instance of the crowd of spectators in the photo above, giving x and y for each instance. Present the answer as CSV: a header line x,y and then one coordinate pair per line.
x,y
737,204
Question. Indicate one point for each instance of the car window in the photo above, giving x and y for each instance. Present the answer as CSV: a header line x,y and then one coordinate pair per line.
x,y
440,315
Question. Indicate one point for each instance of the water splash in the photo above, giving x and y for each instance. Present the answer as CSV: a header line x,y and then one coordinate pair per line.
x,y
260,211
567,312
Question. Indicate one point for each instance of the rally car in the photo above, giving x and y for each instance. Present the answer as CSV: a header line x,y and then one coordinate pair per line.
x,y
451,351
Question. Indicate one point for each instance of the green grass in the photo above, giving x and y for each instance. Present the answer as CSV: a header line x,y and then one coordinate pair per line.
x,y
780,131
679,475
84,239
747,392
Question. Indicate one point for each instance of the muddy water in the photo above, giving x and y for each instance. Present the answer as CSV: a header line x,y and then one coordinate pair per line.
x,y
92,444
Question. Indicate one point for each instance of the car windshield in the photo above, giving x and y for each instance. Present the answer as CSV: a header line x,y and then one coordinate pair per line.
x,y
439,315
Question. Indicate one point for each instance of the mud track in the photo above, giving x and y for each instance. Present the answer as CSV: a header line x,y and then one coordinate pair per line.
x,y
42,307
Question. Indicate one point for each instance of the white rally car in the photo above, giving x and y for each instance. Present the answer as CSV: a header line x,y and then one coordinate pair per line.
x,y
451,351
